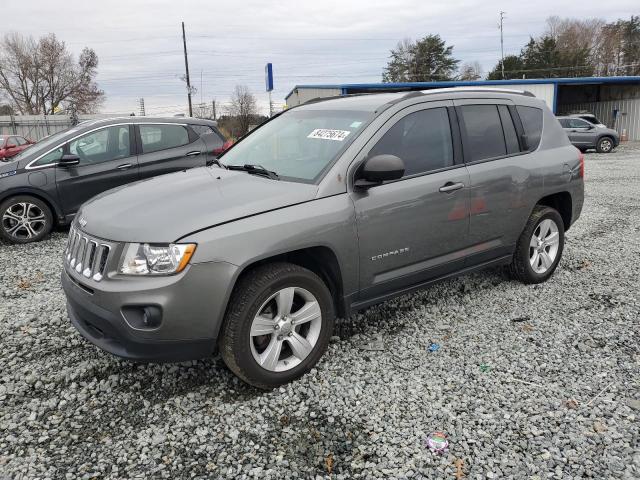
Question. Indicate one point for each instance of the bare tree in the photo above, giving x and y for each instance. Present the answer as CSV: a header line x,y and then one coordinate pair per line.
x,y
470,71
42,77
242,108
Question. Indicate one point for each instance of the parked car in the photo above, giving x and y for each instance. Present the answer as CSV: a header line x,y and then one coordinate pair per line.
x,y
589,117
328,208
585,135
12,145
45,185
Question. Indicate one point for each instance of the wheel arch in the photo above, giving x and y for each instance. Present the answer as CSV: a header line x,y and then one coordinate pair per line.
x,y
562,202
40,195
321,260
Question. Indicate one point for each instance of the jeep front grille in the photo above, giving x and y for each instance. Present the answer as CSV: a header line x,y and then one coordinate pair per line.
x,y
86,255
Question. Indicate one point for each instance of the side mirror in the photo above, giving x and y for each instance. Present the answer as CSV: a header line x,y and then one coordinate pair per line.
x,y
69,160
591,127
378,169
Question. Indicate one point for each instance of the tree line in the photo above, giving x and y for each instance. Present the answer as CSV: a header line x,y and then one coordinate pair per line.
x,y
567,48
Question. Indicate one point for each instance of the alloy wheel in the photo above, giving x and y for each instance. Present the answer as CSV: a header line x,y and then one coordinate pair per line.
x,y
24,220
286,329
605,145
543,247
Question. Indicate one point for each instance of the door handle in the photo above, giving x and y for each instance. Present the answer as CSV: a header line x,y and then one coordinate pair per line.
x,y
451,187
124,166
193,154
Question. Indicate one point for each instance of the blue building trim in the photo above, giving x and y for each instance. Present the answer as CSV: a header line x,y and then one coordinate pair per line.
x,y
347,87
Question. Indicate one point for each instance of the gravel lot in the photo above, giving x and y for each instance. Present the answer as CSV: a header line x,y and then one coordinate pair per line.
x,y
529,381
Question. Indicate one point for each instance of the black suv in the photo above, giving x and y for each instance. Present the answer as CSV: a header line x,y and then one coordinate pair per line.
x,y
46,184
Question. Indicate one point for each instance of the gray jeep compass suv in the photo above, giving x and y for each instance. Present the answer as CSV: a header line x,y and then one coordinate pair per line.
x,y
328,208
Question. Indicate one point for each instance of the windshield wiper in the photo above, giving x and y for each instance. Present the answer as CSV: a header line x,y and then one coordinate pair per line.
x,y
255,168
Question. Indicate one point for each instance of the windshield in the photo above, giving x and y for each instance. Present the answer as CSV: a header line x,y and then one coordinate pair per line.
x,y
299,145
43,145
591,119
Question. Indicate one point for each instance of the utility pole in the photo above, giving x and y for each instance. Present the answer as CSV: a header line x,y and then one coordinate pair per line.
x,y
186,67
142,112
213,109
501,42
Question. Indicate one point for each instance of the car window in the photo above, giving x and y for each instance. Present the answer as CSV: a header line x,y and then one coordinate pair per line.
x,y
103,145
421,139
483,128
202,129
510,135
531,118
564,122
12,142
162,137
21,141
577,123
50,158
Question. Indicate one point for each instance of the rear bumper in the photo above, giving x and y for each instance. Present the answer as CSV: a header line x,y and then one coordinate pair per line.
x,y
190,305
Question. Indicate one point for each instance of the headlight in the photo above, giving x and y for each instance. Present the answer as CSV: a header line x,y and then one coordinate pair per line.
x,y
149,259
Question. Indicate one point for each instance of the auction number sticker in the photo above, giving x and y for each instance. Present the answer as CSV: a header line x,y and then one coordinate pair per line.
x,y
327,134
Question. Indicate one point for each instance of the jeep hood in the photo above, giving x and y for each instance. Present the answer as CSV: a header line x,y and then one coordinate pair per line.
x,y
166,208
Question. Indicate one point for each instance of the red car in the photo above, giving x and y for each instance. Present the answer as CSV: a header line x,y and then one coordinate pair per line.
x,y
11,145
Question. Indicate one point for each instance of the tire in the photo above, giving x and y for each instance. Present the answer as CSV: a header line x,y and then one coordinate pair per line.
x,y
524,258
243,345
605,145
35,215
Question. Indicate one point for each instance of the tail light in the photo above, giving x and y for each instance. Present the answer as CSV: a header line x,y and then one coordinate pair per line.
x,y
225,146
581,158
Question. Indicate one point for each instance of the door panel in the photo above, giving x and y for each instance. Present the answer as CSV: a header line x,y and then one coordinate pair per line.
x,y
168,148
415,228
410,232
581,133
500,186
106,162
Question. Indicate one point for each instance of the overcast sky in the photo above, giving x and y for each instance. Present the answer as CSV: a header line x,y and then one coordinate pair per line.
x,y
139,42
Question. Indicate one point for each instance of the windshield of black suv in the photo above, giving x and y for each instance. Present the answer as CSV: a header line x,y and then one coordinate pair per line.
x,y
299,145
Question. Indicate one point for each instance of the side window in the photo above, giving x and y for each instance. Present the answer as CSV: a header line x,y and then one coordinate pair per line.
x,y
22,140
577,123
162,137
102,145
421,139
202,129
12,142
483,131
531,118
510,135
51,157
564,122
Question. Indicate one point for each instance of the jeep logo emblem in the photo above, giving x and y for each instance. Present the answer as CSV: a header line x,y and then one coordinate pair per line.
x,y
82,222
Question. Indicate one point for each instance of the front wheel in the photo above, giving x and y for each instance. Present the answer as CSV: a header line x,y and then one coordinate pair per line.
x,y
24,219
539,247
277,326
605,145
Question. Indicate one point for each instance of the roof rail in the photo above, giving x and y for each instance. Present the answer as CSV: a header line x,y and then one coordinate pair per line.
x,y
526,93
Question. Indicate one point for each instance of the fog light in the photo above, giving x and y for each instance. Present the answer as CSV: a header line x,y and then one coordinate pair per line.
x,y
143,318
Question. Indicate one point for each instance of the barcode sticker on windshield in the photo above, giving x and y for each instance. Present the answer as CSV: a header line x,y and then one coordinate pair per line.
x,y
327,134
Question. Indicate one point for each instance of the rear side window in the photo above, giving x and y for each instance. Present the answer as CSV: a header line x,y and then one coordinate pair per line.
x,y
162,137
564,122
531,118
421,139
12,142
483,129
202,129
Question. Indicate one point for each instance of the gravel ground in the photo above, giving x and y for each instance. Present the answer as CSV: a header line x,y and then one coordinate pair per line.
x,y
529,381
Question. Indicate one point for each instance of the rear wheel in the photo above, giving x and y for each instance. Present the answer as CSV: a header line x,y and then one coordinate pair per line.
x,y
539,247
24,219
605,145
277,326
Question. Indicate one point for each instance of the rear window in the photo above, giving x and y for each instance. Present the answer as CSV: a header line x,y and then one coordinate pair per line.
x,y
483,131
531,118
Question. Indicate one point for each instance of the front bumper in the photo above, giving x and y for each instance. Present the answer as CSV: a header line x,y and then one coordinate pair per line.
x,y
191,304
